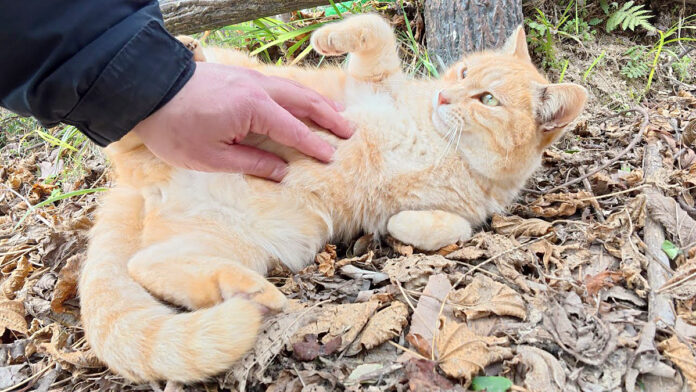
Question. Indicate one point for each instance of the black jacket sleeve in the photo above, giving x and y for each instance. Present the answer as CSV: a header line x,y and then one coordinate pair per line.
x,y
101,65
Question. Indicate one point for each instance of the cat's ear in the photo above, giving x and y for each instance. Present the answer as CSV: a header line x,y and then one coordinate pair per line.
x,y
556,106
516,45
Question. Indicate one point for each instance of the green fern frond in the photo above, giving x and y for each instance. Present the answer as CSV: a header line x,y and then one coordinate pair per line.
x,y
630,16
637,65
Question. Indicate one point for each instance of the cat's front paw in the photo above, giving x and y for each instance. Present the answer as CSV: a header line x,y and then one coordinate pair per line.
x,y
330,41
428,230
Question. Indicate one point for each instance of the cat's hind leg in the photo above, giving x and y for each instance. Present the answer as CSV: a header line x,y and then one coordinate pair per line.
x,y
370,41
186,272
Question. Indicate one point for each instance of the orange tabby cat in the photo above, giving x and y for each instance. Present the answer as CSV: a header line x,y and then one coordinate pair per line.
x,y
429,160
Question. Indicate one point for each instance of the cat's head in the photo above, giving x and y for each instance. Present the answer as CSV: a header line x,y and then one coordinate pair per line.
x,y
504,109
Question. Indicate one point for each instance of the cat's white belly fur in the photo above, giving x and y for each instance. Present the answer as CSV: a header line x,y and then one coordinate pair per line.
x,y
226,198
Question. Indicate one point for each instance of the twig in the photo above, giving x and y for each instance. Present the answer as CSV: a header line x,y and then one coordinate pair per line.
x,y
593,200
614,193
408,350
631,145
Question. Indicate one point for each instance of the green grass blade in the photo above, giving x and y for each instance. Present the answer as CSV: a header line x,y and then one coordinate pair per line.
x,y
55,199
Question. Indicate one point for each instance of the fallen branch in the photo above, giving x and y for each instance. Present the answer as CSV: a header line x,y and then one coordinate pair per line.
x,y
194,16
660,306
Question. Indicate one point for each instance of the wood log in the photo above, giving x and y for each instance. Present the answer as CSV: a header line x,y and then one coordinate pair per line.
x,y
455,27
194,16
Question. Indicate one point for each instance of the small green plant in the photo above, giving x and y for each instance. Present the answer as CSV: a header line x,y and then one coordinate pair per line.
x,y
580,28
541,38
637,65
491,384
628,16
594,64
682,67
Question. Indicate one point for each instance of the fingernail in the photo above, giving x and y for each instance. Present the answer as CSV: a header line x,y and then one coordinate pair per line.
x,y
339,106
328,152
279,173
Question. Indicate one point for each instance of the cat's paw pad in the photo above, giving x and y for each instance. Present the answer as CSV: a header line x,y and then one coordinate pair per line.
x,y
253,287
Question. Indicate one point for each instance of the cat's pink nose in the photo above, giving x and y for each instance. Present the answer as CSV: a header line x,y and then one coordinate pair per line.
x,y
441,100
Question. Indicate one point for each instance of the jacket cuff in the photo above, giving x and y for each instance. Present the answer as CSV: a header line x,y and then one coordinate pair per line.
x,y
148,71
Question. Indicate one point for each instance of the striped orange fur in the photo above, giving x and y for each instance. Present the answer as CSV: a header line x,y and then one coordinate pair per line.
x,y
429,160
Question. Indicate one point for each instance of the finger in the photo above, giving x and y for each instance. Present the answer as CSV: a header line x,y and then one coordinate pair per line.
x,y
306,103
284,128
249,160
318,110
337,106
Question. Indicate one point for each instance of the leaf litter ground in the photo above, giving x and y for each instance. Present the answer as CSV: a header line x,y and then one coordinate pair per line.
x,y
566,291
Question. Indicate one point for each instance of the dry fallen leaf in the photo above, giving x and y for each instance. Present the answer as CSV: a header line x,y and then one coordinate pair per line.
x,y
509,258
515,226
66,287
425,318
345,321
78,359
539,371
12,317
399,247
40,190
384,325
327,260
462,354
484,296
601,280
275,334
674,219
467,253
16,279
447,249
423,377
682,285
413,271
682,356
559,204
422,346
578,331
310,348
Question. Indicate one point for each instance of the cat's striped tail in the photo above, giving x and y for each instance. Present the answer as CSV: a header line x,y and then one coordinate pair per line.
x,y
132,332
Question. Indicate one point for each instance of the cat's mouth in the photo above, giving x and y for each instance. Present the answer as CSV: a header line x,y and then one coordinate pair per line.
x,y
443,119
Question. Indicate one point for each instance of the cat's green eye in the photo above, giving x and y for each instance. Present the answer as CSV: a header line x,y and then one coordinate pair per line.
x,y
489,100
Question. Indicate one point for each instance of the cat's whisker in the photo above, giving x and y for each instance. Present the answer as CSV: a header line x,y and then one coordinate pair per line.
x,y
454,132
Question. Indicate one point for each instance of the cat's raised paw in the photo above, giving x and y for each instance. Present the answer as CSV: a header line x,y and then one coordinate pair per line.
x,y
330,42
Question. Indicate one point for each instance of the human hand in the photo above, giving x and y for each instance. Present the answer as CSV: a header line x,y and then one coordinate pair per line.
x,y
202,126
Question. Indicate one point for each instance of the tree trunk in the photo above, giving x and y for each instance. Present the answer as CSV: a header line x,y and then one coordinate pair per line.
x,y
455,27
194,16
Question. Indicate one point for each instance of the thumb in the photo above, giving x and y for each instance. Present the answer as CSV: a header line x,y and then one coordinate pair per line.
x,y
249,160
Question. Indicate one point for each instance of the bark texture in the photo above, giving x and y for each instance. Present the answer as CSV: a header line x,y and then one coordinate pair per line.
x,y
454,27
194,16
